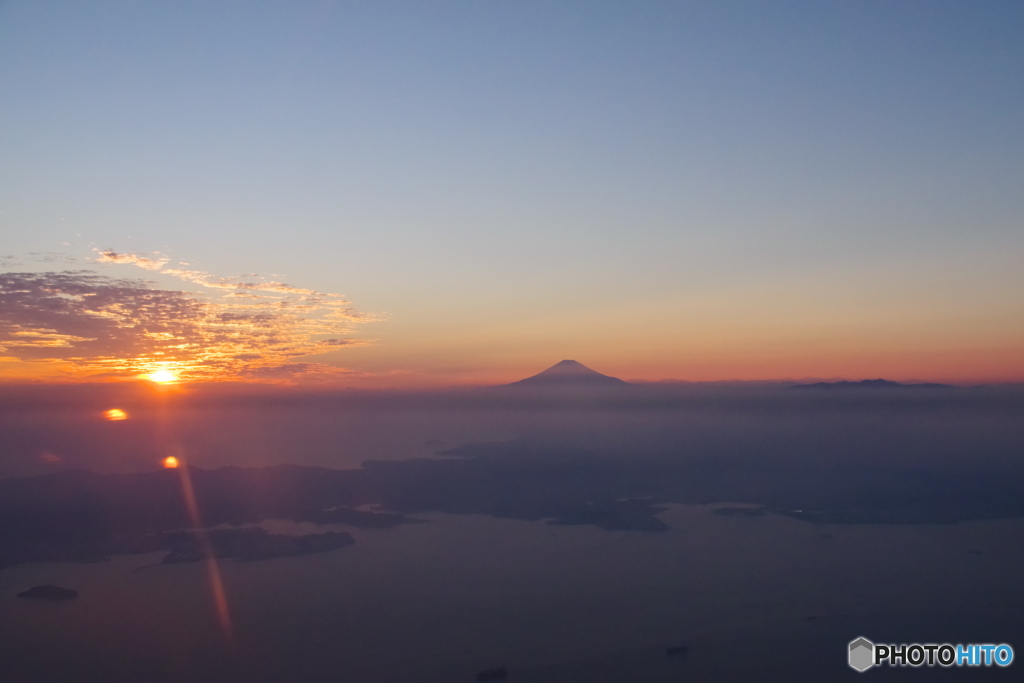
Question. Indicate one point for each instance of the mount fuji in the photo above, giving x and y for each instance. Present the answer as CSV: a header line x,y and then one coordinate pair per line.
x,y
569,374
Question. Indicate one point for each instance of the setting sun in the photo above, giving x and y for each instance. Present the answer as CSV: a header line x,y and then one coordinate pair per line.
x,y
170,462
115,414
162,377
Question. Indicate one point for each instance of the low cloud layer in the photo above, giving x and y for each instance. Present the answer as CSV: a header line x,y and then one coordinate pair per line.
x,y
87,323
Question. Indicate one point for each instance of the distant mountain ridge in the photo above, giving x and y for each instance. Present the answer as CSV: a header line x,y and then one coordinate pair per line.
x,y
872,384
568,374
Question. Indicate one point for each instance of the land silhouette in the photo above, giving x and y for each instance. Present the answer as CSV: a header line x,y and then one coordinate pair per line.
x,y
49,592
605,457
872,384
87,517
568,374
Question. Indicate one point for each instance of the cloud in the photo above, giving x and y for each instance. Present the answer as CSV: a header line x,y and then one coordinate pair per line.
x,y
111,256
254,282
90,324
305,371
51,257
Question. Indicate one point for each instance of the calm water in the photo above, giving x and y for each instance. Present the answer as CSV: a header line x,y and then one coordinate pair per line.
x,y
763,598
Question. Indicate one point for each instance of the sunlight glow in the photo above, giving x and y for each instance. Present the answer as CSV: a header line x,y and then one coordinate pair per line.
x,y
115,414
170,462
162,377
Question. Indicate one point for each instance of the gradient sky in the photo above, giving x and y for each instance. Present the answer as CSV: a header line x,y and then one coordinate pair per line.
x,y
693,190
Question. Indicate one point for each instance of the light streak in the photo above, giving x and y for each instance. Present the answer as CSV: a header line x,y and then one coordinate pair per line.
x,y
220,600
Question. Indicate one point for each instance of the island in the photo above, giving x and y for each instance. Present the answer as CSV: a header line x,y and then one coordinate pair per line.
x,y
49,592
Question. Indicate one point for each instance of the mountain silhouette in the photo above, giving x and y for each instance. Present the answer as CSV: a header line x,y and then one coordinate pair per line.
x,y
872,384
569,374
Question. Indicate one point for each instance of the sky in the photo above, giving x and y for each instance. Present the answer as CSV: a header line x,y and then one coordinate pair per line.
x,y
444,193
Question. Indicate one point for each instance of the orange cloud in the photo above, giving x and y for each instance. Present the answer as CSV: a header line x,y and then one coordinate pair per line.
x,y
199,277
111,256
90,324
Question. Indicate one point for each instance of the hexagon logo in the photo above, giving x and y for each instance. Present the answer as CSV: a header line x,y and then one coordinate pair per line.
x,y
862,654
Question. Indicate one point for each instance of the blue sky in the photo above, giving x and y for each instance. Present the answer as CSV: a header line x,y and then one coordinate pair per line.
x,y
699,190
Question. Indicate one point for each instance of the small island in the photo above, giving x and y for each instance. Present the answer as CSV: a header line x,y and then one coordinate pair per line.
x,y
49,592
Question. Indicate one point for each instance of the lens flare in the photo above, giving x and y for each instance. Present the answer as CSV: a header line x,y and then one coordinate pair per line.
x,y
170,462
219,595
115,414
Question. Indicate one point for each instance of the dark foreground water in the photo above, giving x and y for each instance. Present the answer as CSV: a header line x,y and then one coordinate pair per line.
x,y
755,598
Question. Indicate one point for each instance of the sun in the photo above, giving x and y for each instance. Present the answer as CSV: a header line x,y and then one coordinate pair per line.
x,y
162,377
